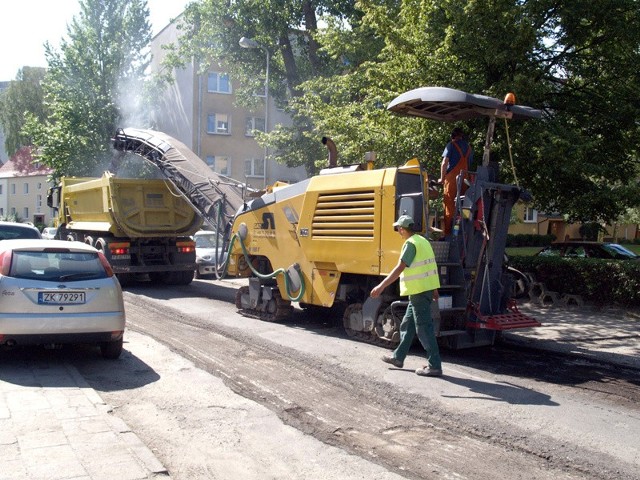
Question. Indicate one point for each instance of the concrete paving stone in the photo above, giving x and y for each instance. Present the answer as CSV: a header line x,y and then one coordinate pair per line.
x,y
143,453
9,452
7,436
27,400
13,470
40,439
26,421
53,463
117,424
126,470
76,427
65,413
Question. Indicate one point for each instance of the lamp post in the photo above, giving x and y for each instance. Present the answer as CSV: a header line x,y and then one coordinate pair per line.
x,y
246,42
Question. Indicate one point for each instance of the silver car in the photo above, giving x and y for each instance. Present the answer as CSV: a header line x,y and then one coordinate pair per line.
x,y
49,233
207,254
55,292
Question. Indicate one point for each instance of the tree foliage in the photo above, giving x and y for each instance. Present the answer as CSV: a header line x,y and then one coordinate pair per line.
x,y
576,60
23,96
92,84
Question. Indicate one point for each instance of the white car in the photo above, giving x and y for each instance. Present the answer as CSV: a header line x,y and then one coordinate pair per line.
x,y
12,230
57,292
49,233
206,253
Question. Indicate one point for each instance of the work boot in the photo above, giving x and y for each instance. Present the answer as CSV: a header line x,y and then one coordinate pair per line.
x,y
429,372
393,361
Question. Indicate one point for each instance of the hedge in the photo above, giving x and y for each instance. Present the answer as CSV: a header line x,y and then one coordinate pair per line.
x,y
529,240
602,282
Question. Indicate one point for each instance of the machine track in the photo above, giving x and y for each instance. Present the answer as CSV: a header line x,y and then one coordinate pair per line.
x,y
275,310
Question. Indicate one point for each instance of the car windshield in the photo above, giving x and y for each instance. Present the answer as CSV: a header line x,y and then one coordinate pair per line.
x,y
10,232
56,266
205,241
618,251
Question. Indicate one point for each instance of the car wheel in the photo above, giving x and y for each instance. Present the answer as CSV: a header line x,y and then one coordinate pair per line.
x,y
196,273
111,350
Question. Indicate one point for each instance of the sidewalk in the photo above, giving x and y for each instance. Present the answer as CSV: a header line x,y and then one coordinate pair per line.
x,y
54,426
610,335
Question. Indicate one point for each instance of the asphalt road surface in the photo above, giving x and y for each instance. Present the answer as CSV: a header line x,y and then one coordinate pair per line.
x,y
217,395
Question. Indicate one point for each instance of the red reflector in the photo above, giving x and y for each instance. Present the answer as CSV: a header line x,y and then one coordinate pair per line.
x,y
105,263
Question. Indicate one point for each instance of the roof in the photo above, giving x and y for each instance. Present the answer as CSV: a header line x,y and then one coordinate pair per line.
x,y
21,165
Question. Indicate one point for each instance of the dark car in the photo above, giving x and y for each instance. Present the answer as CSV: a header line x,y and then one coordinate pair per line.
x,y
15,230
579,249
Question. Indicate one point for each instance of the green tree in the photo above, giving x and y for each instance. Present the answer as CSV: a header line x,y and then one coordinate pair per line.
x,y
92,85
23,95
573,59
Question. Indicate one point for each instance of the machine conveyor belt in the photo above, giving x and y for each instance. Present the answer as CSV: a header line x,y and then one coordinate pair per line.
x,y
215,197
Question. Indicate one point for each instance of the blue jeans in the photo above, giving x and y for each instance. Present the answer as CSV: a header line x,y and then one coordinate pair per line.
x,y
417,320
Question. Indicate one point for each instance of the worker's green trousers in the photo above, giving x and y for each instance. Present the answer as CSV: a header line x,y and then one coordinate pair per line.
x,y
417,320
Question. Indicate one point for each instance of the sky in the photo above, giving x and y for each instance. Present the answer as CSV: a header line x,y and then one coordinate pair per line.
x,y
25,25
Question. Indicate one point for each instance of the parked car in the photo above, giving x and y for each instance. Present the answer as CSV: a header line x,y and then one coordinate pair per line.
x,y
579,249
206,257
57,292
11,230
49,233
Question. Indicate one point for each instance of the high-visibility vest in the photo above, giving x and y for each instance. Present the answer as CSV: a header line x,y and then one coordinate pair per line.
x,y
422,274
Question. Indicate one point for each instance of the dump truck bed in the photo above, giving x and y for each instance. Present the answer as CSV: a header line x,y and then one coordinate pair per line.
x,y
134,208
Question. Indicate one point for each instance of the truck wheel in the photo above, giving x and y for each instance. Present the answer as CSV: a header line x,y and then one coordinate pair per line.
x,y
186,277
89,240
71,237
111,350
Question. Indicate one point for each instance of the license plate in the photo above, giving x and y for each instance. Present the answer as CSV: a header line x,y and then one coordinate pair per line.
x,y
61,298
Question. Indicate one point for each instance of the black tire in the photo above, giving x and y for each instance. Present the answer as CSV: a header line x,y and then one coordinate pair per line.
x,y
111,350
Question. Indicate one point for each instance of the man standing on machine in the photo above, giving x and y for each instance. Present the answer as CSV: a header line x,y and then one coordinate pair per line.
x,y
457,156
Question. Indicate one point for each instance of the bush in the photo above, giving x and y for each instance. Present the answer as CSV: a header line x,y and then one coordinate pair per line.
x,y
529,240
602,282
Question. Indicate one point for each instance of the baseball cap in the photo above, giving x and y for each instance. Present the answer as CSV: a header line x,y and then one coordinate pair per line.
x,y
405,221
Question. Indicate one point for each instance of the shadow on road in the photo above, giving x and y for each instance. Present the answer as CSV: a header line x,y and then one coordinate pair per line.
x,y
38,367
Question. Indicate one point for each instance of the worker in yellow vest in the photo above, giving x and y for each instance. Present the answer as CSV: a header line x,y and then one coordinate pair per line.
x,y
419,281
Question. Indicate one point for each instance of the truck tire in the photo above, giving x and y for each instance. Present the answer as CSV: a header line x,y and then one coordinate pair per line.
x,y
89,240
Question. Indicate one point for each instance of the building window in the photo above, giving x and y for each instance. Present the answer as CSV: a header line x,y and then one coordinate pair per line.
x,y
1,212
218,83
13,211
38,202
254,167
25,213
13,189
25,188
218,123
1,189
253,124
39,185
530,215
221,165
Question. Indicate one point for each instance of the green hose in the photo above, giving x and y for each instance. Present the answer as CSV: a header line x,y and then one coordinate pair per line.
x,y
287,281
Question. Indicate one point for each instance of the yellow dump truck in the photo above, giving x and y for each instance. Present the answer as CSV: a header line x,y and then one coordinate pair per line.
x,y
143,226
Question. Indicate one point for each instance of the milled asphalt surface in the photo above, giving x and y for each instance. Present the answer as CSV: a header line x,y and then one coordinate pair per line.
x,y
54,426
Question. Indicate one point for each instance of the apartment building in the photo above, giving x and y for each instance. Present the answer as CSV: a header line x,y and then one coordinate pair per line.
x,y
23,190
199,110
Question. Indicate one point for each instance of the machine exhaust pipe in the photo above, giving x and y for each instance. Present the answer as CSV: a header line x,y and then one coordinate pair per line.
x,y
333,151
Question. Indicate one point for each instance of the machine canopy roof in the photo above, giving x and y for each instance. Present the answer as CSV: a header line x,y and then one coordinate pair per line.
x,y
450,105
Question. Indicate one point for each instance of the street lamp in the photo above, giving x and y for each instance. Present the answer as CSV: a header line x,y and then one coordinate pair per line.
x,y
246,42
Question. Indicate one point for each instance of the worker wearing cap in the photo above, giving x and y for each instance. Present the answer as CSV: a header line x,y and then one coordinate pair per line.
x,y
419,279
457,157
